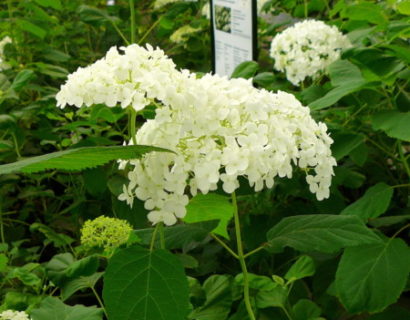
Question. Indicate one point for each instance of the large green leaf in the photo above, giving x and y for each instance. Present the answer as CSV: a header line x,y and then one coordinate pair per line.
x,y
321,232
77,159
144,285
246,69
52,308
370,278
80,283
395,124
176,237
374,202
205,207
302,268
342,71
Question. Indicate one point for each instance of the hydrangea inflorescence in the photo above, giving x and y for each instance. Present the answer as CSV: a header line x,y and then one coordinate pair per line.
x,y
3,43
220,130
306,49
105,232
14,315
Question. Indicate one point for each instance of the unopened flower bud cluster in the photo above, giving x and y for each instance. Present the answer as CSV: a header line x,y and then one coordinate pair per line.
x,y
306,49
105,232
220,130
14,315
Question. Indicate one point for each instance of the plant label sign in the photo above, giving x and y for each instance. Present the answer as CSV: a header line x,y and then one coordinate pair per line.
x,y
234,34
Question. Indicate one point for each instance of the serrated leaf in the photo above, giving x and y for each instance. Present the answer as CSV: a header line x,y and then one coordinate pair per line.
x,y
395,124
205,207
374,202
370,278
176,237
51,307
321,232
77,159
246,69
143,285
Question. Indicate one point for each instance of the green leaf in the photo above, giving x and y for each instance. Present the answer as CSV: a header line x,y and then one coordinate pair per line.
x,y
366,11
55,4
177,237
246,69
31,28
63,268
305,309
58,239
342,71
52,308
345,143
336,94
264,79
370,278
77,159
22,78
403,7
321,232
302,268
3,262
395,124
80,283
205,207
218,299
374,202
143,285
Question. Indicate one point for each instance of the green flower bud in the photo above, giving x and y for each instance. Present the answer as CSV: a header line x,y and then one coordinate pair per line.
x,y
105,232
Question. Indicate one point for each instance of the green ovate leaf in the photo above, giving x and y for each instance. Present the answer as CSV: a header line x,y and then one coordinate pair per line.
x,y
142,285
246,69
321,232
342,71
374,202
306,310
80,283
395,124
302,268
205,207
77,159
52,308
370,278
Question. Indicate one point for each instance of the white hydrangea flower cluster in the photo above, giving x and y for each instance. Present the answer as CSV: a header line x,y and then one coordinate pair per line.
x,y
14,315
134,78
228,129
219,129
3,43
306,49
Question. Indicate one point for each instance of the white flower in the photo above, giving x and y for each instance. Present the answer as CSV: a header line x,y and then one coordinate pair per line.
x,y
14,315
306,49
219,129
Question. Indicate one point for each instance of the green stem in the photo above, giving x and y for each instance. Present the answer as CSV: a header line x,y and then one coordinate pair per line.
x,y
255,250
400,230
149,31
286,312
305,4
3,238
120,33
223,244
99,301
131,124
16,146
154,236
132,13
406,185
241,258
161,235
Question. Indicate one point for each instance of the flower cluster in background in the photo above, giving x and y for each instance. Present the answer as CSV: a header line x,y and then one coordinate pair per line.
x,y
219,129
14,315
105,232
306,49
3,43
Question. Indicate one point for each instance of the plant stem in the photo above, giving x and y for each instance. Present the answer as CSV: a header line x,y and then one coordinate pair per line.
x,y
149,31
132,13
3,238
223,244
120,33
305,4
161,235
99,301
131,125
242,258
255,250
154,235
